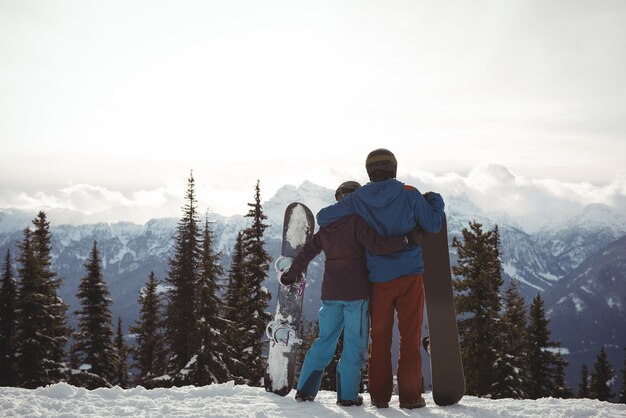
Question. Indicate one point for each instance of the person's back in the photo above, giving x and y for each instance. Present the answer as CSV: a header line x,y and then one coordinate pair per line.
x,y
391,208
344,243
345,294
397,286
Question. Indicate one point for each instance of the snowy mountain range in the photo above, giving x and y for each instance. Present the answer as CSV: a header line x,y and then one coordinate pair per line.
x,y
577,266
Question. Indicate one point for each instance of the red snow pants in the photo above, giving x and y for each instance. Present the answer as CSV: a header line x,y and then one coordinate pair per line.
x,y
404,295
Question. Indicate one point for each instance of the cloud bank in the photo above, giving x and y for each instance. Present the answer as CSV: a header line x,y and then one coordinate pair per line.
x,y
532,203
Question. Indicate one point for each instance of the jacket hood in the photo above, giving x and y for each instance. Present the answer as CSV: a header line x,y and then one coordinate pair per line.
x,y
381,193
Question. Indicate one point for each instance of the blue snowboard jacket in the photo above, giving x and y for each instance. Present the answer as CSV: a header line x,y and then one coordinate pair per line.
x,y
391,208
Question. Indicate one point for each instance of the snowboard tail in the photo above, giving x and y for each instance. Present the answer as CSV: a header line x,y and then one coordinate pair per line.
x,y
283,332
448,380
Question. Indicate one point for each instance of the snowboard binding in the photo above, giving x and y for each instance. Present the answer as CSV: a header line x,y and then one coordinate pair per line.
x,y
281,332
281,266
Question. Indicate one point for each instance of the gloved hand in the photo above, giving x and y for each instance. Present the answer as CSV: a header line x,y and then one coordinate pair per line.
x,y
414,236
287,278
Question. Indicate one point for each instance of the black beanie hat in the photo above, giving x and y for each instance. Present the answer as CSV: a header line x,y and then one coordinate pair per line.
x,y
345,189
381,165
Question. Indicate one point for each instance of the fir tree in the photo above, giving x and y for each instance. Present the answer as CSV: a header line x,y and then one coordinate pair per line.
x,y
94,347
478,301
234,291
257,297
542,362
561,390
601,376
622,392
583,388
121,367
214,353
234,312
31,312
55,318
42,332
149,352
8,325
510,366
183,278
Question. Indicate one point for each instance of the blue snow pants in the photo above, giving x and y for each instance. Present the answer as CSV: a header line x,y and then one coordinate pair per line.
x,y
335,315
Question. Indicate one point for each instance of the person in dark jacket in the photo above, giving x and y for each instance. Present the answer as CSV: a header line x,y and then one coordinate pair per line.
x,y
345,292
392,208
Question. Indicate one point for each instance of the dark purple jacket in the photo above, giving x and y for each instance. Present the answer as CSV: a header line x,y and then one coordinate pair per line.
x,y
344,243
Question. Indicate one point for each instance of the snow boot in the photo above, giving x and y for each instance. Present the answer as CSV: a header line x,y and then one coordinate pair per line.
x,y
350,402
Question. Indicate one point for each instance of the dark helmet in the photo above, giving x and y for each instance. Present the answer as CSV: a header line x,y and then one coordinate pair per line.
x,y
381,165
345,189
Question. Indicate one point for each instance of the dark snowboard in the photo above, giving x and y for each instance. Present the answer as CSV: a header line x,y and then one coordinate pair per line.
x,y
446,367
285,328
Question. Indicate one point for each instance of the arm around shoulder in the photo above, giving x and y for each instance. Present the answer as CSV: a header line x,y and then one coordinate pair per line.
x,y
375,243
332,213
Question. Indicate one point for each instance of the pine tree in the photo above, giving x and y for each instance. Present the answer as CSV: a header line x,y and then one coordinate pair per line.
x,y
601,376
8,325
121,367
539,368
42,331
234,312
55,317
583,388
183,279
542,362
234,291
561,390
31,311
478,301
214,353
94,347
510,366
257,297
622,392
149,352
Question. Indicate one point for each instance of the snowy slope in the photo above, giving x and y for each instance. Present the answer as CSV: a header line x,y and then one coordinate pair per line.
x,y
593,298
227,400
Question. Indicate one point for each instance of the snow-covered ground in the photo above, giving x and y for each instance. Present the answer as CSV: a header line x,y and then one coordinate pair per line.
x,y
227,400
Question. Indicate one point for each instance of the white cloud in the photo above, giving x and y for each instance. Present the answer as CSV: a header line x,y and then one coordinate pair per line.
x,y
97,203
534,203
89,199
493,188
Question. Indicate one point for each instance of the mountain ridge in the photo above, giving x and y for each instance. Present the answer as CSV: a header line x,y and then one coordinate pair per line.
x,y
539,260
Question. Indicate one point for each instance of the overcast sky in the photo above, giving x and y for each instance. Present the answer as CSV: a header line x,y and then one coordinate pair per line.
x,y
115,102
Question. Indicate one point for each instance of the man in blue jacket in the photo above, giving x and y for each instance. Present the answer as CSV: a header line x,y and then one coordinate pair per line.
x,y
393,208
